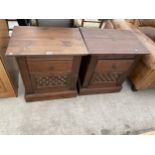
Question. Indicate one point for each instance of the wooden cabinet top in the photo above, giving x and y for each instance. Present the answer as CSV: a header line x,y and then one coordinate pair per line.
x,y
27,40
110,41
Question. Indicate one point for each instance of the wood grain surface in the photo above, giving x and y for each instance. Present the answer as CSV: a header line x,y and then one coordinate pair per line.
x,y
143,75
8,67
148,59
113,55
49,78
109,41
6,89
46,41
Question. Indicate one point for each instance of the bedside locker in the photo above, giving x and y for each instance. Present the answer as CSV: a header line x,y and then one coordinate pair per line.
x,y
49,60
112,56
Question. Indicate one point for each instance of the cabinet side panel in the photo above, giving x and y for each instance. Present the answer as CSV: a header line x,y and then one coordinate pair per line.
x,y
89,71
22,63
75,71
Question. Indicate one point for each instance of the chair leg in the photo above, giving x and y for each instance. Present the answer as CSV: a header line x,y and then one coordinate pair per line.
x,y
102,24
82,22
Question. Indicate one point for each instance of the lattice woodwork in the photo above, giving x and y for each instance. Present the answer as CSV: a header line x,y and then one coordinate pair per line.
x,y
51,81
106,77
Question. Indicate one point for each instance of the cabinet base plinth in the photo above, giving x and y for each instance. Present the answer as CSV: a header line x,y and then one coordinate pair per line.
x,y
87,91
49,96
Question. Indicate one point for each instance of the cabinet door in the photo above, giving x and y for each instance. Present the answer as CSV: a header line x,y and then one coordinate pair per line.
x,y
6,89
49,75
53,74
110,72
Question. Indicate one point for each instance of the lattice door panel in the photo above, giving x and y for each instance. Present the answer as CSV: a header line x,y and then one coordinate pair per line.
x,y
42,81
99,78
52,81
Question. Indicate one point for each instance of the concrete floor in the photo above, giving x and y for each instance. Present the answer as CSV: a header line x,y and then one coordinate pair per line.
x,y
126,112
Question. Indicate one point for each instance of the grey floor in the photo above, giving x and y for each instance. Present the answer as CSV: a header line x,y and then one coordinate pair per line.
x,y
126,112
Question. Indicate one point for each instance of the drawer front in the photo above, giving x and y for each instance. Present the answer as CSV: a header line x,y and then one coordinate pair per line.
x,y
115,57
113,65
39,65
49,75
110,72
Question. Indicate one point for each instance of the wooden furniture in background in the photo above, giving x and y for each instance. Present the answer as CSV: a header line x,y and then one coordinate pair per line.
x,y
99,21
149,133
141,22
8,67
49,60
52,22
113,54
143,75
148,31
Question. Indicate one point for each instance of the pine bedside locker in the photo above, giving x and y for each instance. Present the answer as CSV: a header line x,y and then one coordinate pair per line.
x,y
49,60
112,56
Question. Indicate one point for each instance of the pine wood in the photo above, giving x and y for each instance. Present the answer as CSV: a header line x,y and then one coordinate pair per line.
x,y
49,60
8,67
142,77
149,58
46,41
101,41
148,31
113,55
6,89
143,74
149,133
142,22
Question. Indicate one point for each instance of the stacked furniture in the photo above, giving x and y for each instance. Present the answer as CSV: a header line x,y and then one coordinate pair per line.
x,y
8,66
143,75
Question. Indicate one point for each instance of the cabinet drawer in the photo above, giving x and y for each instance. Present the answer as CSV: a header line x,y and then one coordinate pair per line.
x,y
115,57
44,65
113,65
110,72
